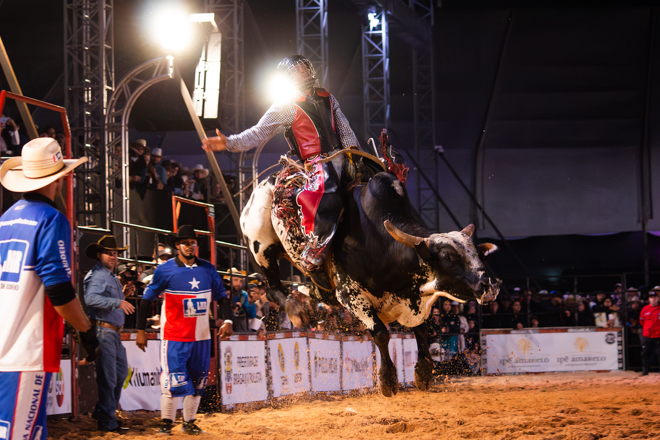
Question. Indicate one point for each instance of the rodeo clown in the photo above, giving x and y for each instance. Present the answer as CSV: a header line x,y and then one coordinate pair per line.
x,y
188,285
314,127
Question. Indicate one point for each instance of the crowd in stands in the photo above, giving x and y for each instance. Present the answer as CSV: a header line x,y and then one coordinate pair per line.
x,y
149,169
454,327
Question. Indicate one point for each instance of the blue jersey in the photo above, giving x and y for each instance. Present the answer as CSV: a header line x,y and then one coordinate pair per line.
x,y
35,249
187,294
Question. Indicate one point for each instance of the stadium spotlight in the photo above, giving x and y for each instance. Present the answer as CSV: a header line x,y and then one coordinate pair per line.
x,y
171,28
281,88
373,19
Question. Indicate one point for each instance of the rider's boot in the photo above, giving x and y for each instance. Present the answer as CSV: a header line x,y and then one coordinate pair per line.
x,y
321,279
312,259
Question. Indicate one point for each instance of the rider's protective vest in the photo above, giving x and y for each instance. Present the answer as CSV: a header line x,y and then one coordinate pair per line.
x,y
313,129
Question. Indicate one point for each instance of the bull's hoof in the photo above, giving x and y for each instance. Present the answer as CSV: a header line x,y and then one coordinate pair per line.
x,y
423,373
389,383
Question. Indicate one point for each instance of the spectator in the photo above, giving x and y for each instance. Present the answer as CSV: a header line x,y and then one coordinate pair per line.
x,y
649,319
156,160
254,295
472,335
529,304
493,319
533,321
175,181
129,285
451,327
435,326
151,178
11,139
60,138
243,311
471,309
632,294
136,164
584,315
600,297
606,314
200,189
104,297
48,131
516,319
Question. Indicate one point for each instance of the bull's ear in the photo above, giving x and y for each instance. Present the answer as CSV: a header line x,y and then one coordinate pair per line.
x,y
422,249
468,230
485,249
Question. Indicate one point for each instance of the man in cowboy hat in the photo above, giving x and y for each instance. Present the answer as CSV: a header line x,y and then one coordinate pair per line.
x,y
188,285
35,287
104,297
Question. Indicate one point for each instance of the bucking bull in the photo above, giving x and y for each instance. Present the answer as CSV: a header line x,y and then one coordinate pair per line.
x,y
385,264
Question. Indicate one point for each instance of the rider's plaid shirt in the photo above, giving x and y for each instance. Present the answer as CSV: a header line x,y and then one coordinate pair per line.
x,y
279,118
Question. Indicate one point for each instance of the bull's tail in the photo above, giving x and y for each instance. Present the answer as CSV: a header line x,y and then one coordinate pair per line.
x,y
297,313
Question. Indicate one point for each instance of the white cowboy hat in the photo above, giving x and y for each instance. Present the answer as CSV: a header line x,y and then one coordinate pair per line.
x,y
40,164
200,167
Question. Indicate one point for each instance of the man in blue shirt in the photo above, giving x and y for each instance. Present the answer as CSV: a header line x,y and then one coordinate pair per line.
x,y
35,288
189,285
104,297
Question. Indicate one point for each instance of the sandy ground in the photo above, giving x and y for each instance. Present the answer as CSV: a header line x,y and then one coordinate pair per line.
x,y
557,406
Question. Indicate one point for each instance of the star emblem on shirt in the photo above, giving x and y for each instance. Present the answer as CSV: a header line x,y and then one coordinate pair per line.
x,y
194,284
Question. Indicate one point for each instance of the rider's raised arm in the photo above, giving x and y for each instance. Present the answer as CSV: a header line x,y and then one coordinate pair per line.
x,y
277,118
346,134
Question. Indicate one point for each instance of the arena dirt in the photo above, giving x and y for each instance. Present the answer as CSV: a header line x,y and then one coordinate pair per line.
x,y
571,406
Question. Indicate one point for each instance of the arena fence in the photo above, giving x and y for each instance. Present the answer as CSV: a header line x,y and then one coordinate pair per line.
x,y
248,370
551,350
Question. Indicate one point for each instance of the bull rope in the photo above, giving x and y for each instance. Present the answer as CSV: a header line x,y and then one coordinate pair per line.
x,y
292,163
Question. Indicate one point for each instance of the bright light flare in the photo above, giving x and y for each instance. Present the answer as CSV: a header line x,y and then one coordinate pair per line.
x,y
373,20
281,89
171,28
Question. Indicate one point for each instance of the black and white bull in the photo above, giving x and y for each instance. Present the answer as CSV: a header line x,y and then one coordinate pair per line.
x,y
385,264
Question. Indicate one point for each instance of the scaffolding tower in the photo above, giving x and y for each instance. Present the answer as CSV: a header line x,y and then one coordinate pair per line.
x,y
89,78
312,35
411,20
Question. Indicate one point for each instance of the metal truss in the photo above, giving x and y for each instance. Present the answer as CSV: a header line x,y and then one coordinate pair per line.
x,y
229,18
376,74
312,35
117,158
424,116
89,79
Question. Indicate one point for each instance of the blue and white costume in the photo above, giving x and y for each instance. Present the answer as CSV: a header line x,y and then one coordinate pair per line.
x,y
35,246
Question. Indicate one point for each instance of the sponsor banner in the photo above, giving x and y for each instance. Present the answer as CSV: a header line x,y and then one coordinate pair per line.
x,y
141,388
59,390
289,366
243,372
324,356
409,360
532,352
358,364
395,348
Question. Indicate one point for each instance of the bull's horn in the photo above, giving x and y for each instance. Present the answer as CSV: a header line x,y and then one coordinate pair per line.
x,y
402,237
468,230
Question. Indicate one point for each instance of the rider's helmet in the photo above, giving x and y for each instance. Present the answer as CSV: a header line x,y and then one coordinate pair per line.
x,y
300,70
